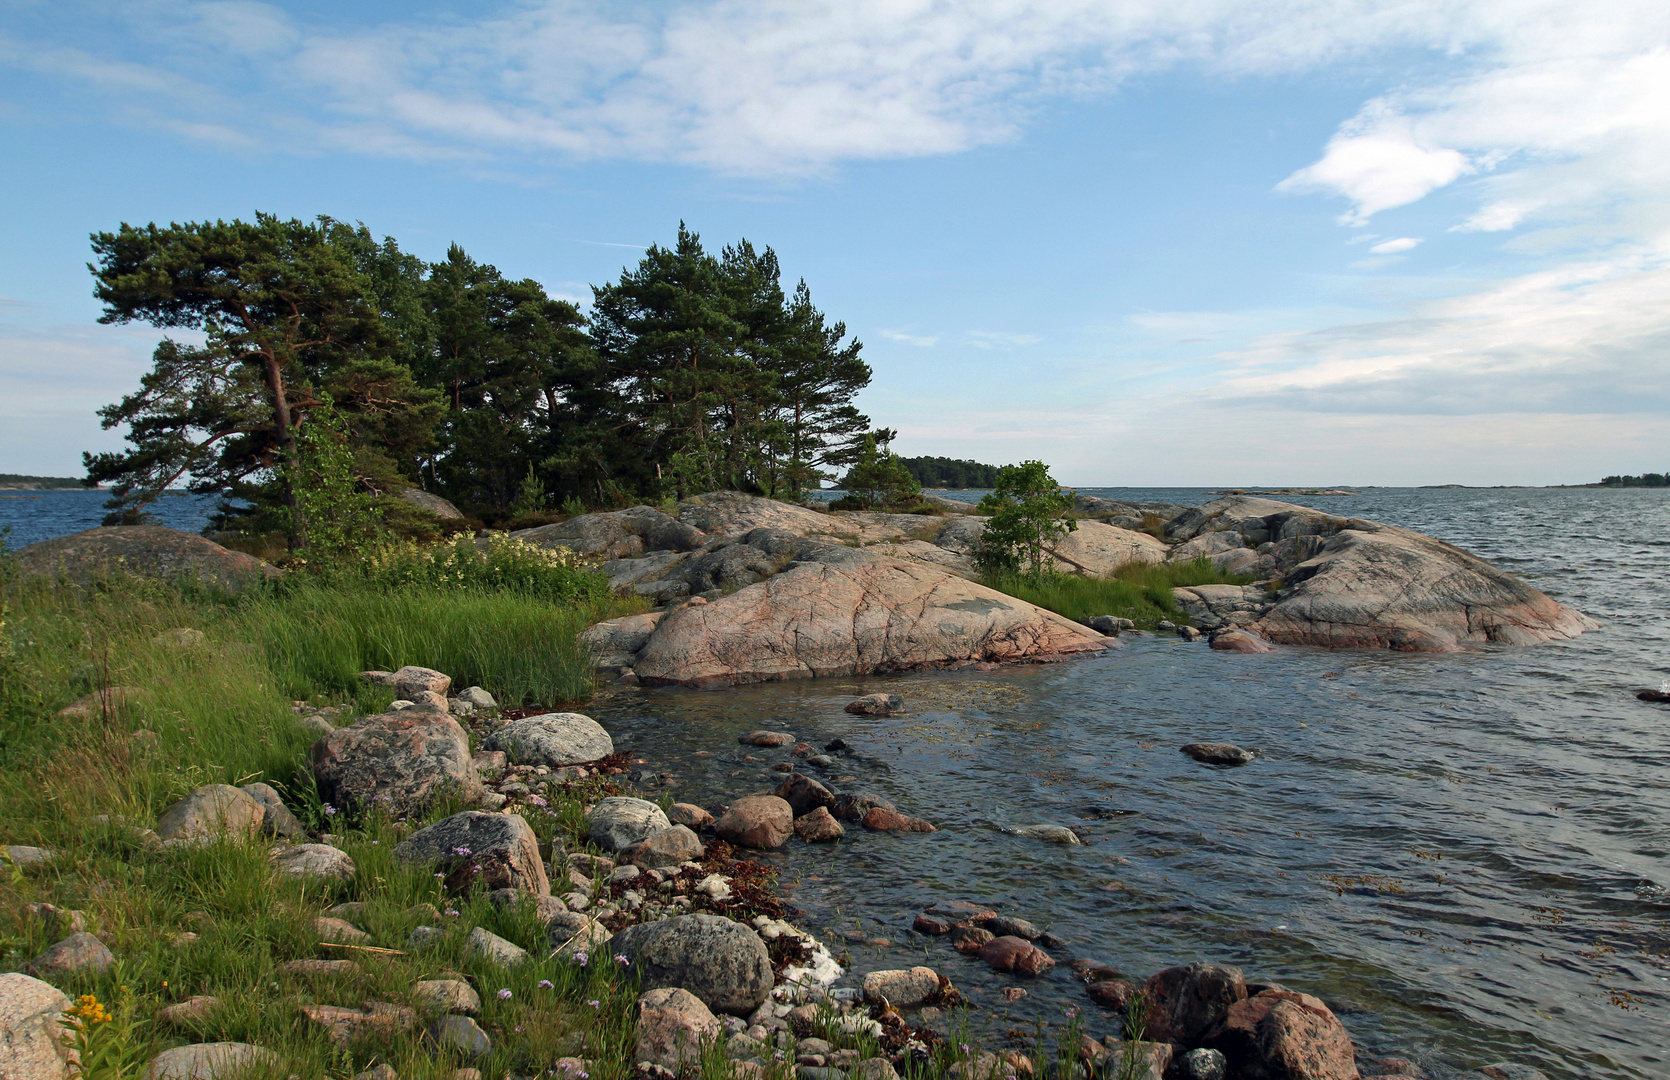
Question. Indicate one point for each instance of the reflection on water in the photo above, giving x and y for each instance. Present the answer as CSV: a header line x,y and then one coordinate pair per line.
x,y
1465,855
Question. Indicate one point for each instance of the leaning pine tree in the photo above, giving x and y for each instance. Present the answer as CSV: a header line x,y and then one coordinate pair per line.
x,y
278,305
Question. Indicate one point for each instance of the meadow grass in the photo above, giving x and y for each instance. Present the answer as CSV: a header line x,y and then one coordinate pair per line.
x,y
219,710
1140,592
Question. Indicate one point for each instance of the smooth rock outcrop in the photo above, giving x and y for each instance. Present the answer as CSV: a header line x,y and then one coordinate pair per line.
x,y
430,503
212,1061
617,534
34,1045
146,550
480,850
1347,583
673,1026
618,822
552,739
211,812
404,760
722,962
851,616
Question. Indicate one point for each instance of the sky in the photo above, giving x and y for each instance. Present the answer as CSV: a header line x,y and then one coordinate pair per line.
x,y
1149,242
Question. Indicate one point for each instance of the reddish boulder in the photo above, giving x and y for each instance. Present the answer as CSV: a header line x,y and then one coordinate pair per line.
x,y
756,821
818,826
1187,1003
1113,994
1281,1035
1240,641
882,819
927,924
766,739
1016,954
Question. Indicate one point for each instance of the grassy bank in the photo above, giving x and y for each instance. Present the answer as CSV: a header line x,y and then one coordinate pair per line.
x,y
1140,592
218,709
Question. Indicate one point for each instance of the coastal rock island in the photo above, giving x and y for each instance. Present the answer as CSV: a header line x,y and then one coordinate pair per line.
x,y
756,590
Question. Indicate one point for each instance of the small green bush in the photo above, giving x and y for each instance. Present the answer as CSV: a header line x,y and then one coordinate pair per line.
x,y
1140,592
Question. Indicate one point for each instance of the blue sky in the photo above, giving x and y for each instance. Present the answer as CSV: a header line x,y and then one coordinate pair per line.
x,y
1149,242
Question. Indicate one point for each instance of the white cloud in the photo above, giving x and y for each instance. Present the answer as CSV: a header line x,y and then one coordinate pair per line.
x,y
1392,247
920,341
997,339
1378,162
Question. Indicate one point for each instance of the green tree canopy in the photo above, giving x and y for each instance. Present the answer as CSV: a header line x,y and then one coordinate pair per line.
x,y
1027,509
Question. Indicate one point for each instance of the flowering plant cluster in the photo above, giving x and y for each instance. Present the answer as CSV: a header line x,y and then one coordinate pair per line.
x,y
496,564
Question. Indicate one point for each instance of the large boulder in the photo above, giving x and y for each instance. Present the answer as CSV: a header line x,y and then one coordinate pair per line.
x,y
211,812
404,759
476,849
1360,584
1281,1035
722,962
430,503
33,1042
147,550
552,739
617,534
756,821
618,822
1095,549
1185,1004
851,614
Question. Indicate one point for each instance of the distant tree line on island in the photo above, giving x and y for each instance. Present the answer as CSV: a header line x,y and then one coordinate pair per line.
x,y
944,472
42,483
693,372
1646,479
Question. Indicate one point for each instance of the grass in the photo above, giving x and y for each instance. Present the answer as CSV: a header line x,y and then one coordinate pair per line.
x,y
1140,592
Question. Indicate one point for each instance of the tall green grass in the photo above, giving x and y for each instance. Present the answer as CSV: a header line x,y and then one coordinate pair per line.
x,y
1140,592
521,648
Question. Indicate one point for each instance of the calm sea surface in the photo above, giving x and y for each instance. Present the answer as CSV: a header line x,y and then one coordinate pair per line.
x,y
1468,856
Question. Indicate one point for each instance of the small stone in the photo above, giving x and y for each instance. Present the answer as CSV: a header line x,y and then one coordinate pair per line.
x,y
1218,754
321,968
1202,1063
1113,994
1016,954
436,996
673,1025
24,855
819,826
1006,924
80,952
618,822
212,1061
424,935
344,1027
766,739
927,924
460,1035
488,946
410,682
181,940
1238,641
340,931
59,922
193,1010
1052,834
971,939
315,861
478,697
382,1071
903,989
852,806
883,820
803,794
876,705
689,815
961,911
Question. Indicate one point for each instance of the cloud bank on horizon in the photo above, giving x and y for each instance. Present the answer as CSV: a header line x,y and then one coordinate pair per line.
x,y
1549,119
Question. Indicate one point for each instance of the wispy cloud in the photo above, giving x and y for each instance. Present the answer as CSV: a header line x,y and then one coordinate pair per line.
x,y
1392,247
997,339
919,340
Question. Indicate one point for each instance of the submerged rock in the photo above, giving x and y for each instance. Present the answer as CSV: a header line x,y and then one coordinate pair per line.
x,y
1218,753
876,705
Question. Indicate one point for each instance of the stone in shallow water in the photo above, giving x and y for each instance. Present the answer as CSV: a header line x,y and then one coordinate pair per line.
x,y
1218,753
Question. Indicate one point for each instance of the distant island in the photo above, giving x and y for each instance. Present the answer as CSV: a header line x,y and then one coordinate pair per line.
x,y
1646,479
944,472
19,482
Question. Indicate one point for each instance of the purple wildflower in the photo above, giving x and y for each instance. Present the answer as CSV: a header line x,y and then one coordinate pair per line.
x,y
546,984
504,995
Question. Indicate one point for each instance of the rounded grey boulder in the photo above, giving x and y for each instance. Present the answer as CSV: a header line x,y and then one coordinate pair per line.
x,y
722,962
618,822
552,739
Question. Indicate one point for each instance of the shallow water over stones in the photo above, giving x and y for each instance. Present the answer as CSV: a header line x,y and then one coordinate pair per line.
x,y
1467,856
